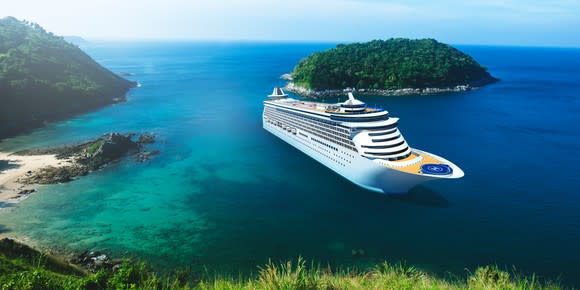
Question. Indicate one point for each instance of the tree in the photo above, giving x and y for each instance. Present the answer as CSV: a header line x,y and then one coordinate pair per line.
x,y
389,64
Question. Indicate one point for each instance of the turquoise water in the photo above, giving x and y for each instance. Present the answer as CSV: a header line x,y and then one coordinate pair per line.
x,y
227,195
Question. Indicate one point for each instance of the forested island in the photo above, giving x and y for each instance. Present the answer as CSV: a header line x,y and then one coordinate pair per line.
x,y
43,77
388,67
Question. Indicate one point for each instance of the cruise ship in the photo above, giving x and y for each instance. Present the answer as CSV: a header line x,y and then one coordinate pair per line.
x,y
360,143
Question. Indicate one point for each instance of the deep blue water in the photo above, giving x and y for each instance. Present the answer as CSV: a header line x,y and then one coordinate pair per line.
x,y
227,195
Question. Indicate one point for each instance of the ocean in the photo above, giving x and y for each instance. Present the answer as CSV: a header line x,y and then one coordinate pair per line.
x,y
226,196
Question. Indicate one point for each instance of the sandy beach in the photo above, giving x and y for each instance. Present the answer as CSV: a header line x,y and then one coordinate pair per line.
x,y
13,167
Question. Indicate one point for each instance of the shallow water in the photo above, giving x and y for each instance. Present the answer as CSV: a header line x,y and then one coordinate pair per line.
x,y
227,195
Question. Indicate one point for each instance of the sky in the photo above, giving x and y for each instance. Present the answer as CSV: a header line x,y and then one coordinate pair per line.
x,y
492,22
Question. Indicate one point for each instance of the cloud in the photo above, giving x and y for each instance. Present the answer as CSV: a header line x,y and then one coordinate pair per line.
x,y
491,21
482,8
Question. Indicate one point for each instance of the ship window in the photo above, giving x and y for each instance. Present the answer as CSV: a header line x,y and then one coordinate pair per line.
x,y
353,106
359,119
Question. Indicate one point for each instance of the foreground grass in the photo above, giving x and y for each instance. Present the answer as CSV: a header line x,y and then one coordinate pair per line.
x,y
25,268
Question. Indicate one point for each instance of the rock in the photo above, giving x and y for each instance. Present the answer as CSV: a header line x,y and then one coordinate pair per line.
x,y
142,157
93,261
26,191
358,253
52,175
101,257
110,147
49,175
146,139
291,87
89,156
287,77
116,145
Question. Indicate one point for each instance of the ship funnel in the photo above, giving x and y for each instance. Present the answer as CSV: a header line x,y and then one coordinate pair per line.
x,y
352,104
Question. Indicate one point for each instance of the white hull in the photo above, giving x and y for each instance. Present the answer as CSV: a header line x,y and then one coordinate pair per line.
x,y
359,143
355,168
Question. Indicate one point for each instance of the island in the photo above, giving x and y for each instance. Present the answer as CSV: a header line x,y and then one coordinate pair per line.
x,y
396,66
43,77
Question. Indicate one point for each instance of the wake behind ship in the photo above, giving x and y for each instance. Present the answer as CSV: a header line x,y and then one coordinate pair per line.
x,y
361,144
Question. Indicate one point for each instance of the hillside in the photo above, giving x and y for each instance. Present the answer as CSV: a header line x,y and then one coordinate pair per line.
x,y
43,78
390,65
22,267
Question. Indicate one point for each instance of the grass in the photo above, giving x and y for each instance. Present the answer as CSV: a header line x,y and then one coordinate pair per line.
x,y
95,146
29,269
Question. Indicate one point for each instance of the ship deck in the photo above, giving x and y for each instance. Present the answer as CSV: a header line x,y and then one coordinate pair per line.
x,y
322,107
407,165
337,111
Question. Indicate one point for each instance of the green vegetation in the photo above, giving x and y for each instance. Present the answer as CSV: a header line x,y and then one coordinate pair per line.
x,y
43,77
25,268
95,146
390,64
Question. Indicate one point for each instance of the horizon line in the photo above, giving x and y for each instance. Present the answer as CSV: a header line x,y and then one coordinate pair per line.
x,y
298,41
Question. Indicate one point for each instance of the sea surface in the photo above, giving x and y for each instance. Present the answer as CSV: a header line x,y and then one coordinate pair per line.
x,y
225,196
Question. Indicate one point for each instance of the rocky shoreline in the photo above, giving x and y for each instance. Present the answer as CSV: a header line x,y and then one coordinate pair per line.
x,y
305,92
73,161
87,157
82,261
78,160
312,93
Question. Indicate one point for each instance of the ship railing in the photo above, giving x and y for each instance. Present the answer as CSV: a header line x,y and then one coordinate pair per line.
x,y
406,163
